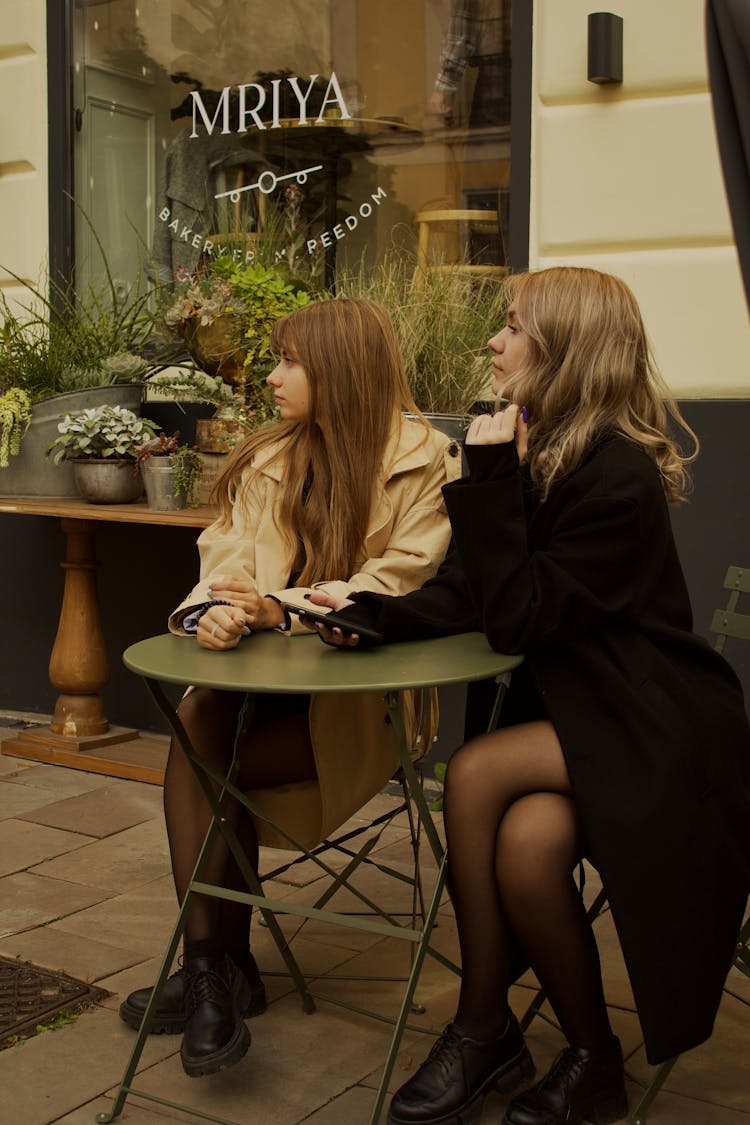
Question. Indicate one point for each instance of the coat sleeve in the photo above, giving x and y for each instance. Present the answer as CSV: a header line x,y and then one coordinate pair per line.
x,y
226,548
584,576
440,608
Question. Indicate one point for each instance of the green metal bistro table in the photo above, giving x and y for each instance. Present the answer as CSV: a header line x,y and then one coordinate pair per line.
x,y
271,662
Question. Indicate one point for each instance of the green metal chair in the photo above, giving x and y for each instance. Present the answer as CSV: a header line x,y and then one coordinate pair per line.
x,y
726,623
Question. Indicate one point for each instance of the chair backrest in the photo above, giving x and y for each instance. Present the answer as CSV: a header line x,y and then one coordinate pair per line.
x,y
729,622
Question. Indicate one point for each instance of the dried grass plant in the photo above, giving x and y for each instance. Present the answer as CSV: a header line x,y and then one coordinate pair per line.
x,y
443,318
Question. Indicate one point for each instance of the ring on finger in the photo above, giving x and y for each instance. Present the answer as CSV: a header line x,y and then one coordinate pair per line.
x,y
213,630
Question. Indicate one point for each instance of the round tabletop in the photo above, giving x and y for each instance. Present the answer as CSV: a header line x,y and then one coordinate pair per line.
x,y
272,662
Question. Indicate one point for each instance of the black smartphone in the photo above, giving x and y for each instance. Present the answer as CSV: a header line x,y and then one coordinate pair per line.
x,y
312,613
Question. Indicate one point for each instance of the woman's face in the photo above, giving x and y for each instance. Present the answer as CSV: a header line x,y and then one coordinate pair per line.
x,y
509,349
291,388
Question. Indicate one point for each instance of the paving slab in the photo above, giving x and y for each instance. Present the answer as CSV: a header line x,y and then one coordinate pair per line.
x,y
141,919
56,1072
30,900
18,800
116,863
131,1114
296,1064
22,844
82,957
101,812
58,780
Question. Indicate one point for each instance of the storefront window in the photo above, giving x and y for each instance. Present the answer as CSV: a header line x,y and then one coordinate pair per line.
x,y
344,127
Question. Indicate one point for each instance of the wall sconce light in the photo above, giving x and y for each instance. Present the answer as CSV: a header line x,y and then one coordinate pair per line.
x,y
605,48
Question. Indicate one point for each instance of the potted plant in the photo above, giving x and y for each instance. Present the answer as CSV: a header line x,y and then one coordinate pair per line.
x,y
67,352
171,472
15,415
225,313
101,442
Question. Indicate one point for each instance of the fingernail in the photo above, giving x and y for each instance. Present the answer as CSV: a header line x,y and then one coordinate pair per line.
x,y
524,414
247,632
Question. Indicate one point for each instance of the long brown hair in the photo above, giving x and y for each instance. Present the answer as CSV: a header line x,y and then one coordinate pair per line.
x,y
589,369
333,461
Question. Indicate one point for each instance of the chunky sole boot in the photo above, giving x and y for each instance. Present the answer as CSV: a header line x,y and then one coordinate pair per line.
x,y
215,1035
171,1014
581,1086
450,1086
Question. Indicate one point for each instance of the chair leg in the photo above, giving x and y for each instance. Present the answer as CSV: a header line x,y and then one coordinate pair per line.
x,y
638,1116
407,1001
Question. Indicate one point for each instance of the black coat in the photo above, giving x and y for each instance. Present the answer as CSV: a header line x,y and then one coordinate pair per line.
x,y
651,720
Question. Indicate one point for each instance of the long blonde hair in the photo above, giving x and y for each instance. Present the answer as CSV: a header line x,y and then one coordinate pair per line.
x,y
333,461
588,370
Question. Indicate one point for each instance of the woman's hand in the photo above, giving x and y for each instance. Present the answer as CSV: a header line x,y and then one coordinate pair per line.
x,y
221,627
259,612
335,636
499,429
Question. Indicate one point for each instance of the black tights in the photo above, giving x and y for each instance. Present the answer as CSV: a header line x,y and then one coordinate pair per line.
x,y
275,748
514,839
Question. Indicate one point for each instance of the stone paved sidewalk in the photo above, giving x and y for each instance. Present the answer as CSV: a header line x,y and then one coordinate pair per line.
x,y
85,888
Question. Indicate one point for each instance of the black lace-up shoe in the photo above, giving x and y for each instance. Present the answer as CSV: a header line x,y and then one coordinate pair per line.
x,y
581,1086
450,1085
170,1016
215,1036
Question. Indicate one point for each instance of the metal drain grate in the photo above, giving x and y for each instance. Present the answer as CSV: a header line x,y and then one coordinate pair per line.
x,y
30,996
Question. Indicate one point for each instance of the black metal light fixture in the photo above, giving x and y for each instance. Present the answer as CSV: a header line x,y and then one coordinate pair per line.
x,y
605,48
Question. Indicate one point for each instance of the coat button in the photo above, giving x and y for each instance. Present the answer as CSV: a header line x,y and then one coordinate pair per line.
x,y
453,449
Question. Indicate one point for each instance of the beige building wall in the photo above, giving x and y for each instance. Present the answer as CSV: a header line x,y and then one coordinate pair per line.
x,y
23,145
628,179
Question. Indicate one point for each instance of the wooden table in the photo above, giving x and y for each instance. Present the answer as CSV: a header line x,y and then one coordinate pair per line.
x,y
80,734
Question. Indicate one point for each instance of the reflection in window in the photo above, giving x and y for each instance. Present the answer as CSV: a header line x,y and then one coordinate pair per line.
x,y
329,131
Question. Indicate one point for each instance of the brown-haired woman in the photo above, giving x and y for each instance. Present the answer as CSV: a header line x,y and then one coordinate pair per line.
x,y
624,736
343,494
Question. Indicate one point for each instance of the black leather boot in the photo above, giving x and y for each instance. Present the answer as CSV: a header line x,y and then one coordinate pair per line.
x,y
215,1035
451,1083
170,1016
580,1086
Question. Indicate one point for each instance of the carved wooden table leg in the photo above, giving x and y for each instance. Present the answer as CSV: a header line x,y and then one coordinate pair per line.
x,y
78,666
80,734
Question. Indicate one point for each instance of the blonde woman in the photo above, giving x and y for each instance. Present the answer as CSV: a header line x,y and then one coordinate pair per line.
x,y
343,494
624,734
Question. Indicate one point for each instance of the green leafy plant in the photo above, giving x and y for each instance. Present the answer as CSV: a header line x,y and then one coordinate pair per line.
x,y
186,462
15,414
101,432
239,304
443,318
439,770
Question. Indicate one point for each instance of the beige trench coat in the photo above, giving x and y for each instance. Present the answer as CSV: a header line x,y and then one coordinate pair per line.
x,y
408,534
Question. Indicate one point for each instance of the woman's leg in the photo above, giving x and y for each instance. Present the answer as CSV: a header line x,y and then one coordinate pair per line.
x,y
274,749
277,751
513,840
210,720
209,998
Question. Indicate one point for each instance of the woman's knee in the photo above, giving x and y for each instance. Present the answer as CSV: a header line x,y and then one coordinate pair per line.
x,y
210,720
467,767
539,834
